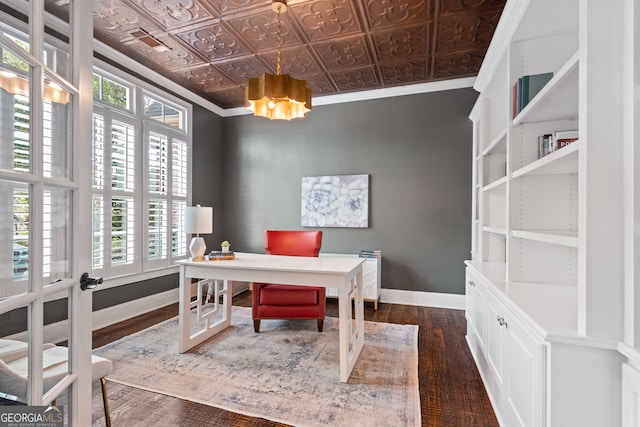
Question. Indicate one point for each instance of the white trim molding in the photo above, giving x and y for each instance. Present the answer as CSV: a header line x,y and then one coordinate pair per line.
x,y
423,299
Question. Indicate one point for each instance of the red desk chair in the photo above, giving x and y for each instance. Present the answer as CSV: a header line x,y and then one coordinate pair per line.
x,y
275,301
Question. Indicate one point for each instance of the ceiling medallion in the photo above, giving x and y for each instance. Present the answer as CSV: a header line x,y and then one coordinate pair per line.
x,y
279,96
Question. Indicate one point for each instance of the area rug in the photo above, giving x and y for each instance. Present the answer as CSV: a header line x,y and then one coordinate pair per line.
x,y
287,373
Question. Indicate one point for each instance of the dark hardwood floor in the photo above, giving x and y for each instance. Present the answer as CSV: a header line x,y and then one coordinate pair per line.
x,y
451,391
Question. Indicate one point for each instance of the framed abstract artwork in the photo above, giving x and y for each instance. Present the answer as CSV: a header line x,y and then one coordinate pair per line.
x,y
335,201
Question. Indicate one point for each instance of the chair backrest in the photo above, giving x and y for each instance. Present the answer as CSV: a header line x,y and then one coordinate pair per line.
x,y
293,242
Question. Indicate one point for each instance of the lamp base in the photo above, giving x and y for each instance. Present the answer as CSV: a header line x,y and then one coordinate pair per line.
x,y
197,249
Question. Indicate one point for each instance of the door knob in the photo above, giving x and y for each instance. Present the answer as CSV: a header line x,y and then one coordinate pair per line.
x,y
87,282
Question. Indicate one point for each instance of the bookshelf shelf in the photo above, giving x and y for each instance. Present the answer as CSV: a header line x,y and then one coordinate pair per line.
x,y
563,161
497,184
564,238
495,230
498,145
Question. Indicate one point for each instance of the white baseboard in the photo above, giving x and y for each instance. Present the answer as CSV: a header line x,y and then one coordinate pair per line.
x,y
423,299
118,313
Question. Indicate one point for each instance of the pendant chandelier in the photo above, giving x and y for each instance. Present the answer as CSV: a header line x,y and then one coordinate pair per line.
x,y
279,96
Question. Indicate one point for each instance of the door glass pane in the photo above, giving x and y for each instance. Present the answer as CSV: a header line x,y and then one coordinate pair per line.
x,y
15,354
15,146
56,58
56,131
56,234
14,239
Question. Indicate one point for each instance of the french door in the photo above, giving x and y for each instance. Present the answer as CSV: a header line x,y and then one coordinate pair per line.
x,y
45,175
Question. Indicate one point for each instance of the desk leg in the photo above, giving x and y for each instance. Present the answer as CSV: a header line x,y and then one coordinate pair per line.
x,y
351,330
187,339
184,313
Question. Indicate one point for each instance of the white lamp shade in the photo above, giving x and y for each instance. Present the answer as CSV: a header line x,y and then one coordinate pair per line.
x,y
198,220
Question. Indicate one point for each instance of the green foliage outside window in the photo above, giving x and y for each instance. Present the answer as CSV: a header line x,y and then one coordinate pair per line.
x,y
111,92
11,59
96,86
114,93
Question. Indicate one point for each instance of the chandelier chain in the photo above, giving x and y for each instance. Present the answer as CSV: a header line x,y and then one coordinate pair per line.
x,y
278,41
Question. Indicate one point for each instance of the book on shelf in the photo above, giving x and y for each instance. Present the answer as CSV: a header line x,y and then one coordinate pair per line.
x,y
526,88
551,142
221,256
544,144
565,137
370,253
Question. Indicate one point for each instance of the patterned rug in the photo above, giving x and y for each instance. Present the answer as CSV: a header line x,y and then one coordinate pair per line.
x,y
287,373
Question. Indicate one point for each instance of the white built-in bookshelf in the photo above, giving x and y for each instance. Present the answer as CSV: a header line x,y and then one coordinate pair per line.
x,y
545,278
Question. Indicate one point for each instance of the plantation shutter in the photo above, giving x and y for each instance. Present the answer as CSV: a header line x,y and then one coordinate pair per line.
x,y
114,158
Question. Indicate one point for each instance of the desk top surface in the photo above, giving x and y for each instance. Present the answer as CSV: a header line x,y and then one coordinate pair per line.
x,y
249,261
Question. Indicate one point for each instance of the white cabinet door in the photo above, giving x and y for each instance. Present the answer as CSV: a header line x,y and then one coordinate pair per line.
x,y
475,307
481,315
495,339
630,396
524,374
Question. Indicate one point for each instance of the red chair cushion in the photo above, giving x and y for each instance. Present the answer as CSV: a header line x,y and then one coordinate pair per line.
x,y
273,294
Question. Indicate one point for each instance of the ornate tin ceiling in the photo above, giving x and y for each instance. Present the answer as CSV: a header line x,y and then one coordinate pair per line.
x,y
213,46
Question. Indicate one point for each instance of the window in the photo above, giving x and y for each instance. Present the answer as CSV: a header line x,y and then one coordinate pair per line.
x,y
114,144
139,179
111,92
163,112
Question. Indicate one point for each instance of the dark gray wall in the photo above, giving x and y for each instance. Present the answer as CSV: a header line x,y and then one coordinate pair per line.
x,y
208,167
417,151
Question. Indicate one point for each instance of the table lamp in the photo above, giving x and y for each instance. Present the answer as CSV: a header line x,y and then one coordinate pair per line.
x,y
198,220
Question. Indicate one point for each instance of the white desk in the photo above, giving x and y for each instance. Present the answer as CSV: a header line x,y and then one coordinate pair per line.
x,y
342,273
